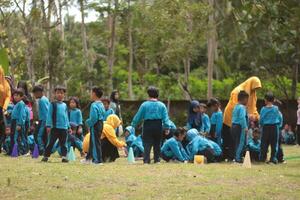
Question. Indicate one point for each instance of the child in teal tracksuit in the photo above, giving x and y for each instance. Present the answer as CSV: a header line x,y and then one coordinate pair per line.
x,y
155,116
239,126
205,128
133,141
216,121
18,118
95,124
168,133
108,110
40,135
254,145
75,118
57,124
269,121
173,149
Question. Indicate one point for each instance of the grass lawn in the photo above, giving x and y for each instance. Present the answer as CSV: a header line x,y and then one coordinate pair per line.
x,y
26,178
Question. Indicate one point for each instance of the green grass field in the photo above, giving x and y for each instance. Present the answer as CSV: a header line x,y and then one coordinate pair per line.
x,y
26,178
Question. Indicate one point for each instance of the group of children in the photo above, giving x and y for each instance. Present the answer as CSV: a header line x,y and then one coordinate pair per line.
x,y
60,128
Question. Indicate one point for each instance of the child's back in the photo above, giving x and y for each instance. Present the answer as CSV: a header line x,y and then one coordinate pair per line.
x,y
173,149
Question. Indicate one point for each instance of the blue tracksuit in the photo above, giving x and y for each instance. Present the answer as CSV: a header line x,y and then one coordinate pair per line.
x,y
217,151
239,124
18,118
75,118
131,137
254,148
135,142
173,149
216,121
205,128
270,119
40,135
95,122
197,144
108,112
155,116
58,121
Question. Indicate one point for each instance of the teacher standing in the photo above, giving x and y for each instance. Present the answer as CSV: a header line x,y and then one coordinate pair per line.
x,y
5,96
250,86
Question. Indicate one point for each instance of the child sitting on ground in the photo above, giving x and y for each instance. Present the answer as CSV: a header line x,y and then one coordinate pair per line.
x,y
216,121
173,149
254,144
288,135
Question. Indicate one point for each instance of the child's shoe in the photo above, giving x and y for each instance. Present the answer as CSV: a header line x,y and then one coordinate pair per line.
x,y
45,159
64,160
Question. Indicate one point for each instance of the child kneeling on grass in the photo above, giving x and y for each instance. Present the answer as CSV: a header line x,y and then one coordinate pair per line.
x,y
133,141
254,145
173,149
57,124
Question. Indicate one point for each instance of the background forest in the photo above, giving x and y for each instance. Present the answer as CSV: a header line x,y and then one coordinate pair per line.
x,y
188,48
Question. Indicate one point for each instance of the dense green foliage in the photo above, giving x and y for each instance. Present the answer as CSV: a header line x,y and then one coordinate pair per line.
x,y
169,45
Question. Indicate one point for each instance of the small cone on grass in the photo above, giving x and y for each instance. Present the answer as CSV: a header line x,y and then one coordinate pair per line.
x,y
247,160
14,152
35,153
130,157
71,155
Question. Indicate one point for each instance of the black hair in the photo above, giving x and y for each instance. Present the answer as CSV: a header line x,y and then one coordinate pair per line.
x,y
203,105
269,97
179,131
242,95
19,91
213,102
153,92
38,88
98,91
60,88
23,84
76,100
113,96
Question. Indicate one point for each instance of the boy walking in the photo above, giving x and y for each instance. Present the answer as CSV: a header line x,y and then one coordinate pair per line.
x,y
57,124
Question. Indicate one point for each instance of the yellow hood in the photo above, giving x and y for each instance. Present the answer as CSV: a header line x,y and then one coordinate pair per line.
x,y
113,120
250,84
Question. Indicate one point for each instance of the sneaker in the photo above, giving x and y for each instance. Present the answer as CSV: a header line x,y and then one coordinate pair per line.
x,y
85,161
45,159
97,164
64,160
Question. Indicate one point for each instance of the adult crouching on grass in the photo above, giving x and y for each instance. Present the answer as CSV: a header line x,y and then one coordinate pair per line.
x,y
154,115
5,96
250,86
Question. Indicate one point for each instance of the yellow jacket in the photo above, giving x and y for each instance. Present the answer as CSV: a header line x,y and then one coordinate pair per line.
x,y
5,93
248,86
112,122
108,132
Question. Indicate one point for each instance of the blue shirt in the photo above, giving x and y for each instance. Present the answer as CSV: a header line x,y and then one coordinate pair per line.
x,y
97,113
269,116
18,113
108,112
217,120
62,119
205,128
173,148
152,110
216,148
172,126
43,105
197,143
239,116
75,116
254,145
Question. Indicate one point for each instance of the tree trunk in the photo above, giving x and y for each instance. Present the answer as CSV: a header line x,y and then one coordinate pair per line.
x,y
294,80
187,66
130,46
111,44
211,46
84,39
